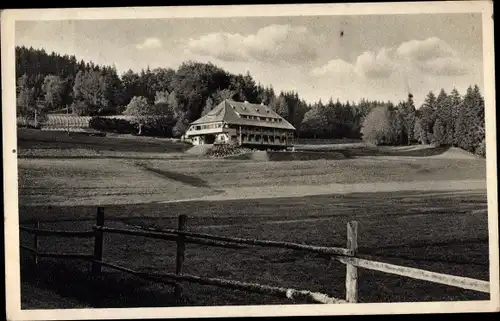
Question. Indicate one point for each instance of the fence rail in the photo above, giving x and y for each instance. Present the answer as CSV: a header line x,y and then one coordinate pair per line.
x,y
264,243
419,274
289,293
41,232
348,256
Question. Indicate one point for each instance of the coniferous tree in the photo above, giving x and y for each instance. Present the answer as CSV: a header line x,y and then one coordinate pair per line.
x,y
439,133
428,114
407,114
208,107
444,113
281,106
466,119
456,101
419,133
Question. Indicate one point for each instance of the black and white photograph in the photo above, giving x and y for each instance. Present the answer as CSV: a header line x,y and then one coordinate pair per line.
x,y
257,160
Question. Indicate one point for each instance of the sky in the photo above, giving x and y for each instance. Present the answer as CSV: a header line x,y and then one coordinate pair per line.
x,y
379,57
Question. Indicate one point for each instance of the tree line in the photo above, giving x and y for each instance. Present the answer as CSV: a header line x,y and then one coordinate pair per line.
x,y
442,120
53,83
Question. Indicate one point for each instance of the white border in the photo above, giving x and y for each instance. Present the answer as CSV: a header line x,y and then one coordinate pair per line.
x,y
8,18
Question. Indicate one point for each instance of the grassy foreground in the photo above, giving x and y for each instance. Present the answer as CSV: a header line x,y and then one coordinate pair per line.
x,y
442,232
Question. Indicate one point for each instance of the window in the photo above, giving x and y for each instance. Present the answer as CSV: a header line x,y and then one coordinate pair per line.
x,y
198,127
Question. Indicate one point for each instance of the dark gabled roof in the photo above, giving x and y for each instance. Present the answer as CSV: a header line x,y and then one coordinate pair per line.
x,y
233,112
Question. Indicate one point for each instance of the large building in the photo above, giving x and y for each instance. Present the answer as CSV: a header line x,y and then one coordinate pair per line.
x,y
244,124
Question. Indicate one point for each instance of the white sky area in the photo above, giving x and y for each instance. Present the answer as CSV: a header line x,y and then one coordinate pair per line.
x,y
377,57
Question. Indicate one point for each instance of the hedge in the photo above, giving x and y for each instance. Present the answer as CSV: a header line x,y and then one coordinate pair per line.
x,y
113,125
155,126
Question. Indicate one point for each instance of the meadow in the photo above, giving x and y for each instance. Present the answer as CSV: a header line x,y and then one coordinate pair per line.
x,y
425,210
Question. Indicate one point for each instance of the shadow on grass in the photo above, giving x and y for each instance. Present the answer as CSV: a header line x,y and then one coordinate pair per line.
x,y
312,153
72,279
183,178
376,151
382,151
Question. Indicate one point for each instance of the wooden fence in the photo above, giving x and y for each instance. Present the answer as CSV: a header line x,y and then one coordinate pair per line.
x,y
348,256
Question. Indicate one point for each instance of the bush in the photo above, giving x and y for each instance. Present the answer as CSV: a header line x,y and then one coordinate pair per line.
x,y
22,122
138,106
224,150
157,126
481,149
113,125
377,126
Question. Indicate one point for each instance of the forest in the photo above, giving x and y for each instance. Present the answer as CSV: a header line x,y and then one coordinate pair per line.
x,y
54,83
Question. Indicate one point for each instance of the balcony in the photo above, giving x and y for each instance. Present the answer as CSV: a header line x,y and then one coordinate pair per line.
x,y
193,131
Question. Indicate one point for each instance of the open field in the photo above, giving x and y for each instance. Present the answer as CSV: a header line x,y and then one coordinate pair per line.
x,y
443,232
107,181
431,214
37,143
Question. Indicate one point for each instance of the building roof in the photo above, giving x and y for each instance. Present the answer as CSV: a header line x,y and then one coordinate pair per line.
x,y
244,113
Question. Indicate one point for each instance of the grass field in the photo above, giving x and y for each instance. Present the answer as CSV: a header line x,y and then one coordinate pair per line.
x,y
432,215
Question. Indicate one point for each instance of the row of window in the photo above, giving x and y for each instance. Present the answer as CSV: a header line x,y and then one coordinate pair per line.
x,y
277,120
259,138
262,129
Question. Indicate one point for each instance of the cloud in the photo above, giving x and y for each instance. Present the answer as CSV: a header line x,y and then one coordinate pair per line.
x,y
446,66
274,43
149,43
368,65
425,50
379,65
337,66
432,56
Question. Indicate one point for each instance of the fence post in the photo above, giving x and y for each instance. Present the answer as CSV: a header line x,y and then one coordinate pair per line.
x,y
181,247
35,243
98,240
351,282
